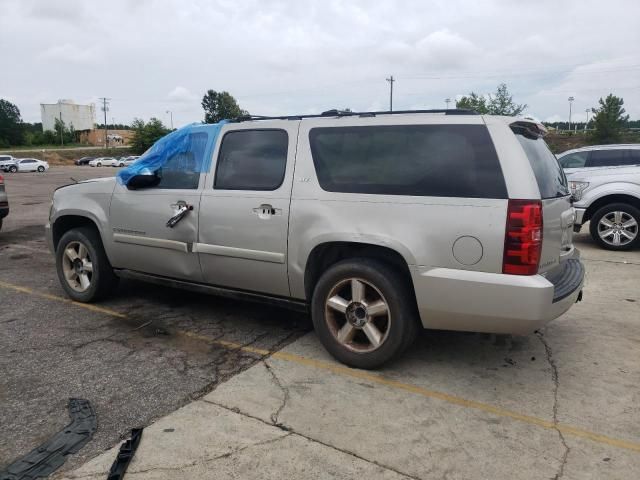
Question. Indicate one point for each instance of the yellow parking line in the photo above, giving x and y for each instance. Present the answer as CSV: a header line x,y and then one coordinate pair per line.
x,y
364,375
87,306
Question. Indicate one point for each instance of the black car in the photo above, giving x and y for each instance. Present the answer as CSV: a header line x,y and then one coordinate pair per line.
x,y
84,160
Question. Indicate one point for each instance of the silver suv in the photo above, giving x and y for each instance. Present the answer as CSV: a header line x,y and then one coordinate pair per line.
x,y
605,182
375,223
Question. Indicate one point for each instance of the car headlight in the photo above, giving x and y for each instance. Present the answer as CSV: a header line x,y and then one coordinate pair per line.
x,y
577,188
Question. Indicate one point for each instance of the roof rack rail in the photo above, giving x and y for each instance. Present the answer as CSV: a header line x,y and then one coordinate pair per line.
x,y
346,113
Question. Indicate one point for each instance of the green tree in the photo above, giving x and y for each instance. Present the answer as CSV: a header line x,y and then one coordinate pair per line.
x,y
10,124
146,134
219,106
473,101
608,120
499,103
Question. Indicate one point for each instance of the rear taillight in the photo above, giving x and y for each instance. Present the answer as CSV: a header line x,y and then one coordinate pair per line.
x,y
523,237
1,179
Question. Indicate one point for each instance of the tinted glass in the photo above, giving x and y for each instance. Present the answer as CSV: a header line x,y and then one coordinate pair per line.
x,y
182,171
421,160
574,160
607,158
252,160
549,175
635,156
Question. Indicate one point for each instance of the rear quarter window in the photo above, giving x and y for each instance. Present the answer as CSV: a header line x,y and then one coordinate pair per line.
x,y
548,172
416,160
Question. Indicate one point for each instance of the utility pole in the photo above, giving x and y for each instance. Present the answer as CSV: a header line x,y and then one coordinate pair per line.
x,y
171,113
571,99
447,101
390,80
105,109
61,129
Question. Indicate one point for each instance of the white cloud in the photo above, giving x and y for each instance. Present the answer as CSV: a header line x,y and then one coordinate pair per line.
x,y
71,53
288,56
181,95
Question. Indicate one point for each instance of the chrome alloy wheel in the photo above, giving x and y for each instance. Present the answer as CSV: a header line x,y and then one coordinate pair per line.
x,y
77,266
357,315
618,228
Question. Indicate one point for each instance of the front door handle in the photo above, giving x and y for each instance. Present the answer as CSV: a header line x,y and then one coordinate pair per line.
x,y
181,209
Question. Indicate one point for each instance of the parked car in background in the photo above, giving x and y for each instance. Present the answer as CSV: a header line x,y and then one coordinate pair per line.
x,y
599,156
608,198
4,201
129,160
103,162
8,163
83,160
31,165
392,222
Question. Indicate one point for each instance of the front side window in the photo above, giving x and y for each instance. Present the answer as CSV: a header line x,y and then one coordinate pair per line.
x,y
182,169
574,160
607,158
418,160
252,160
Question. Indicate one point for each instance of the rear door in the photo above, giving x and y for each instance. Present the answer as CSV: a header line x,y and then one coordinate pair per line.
x,y
244,208
558,214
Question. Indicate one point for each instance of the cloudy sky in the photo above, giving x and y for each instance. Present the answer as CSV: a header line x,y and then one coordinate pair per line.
x,y
304,56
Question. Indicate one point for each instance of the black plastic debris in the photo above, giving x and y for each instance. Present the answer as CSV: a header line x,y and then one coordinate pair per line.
x,y
48,457
125,454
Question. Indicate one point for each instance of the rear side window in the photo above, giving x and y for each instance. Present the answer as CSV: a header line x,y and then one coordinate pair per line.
x,y
252,160
635,156
420,160
574,160
549,175
182,170
608,158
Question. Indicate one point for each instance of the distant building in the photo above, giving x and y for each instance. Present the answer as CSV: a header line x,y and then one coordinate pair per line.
x,y
82,117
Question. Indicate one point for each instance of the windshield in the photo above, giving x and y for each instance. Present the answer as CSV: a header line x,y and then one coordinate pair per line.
x,y
549,174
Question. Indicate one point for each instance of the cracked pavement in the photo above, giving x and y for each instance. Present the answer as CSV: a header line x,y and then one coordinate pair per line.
x,y
133,370
563,403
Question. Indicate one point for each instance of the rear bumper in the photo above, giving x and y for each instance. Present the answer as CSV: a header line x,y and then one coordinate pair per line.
x,y
450,299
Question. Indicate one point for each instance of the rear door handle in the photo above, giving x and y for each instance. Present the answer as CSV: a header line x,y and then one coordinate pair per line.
x,y
266,210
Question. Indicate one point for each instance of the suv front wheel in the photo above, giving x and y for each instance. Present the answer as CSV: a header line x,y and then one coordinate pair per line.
x,y
363,312
83,268
615,226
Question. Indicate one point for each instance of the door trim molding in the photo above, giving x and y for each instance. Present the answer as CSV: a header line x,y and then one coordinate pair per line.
x,y
223,251
151,242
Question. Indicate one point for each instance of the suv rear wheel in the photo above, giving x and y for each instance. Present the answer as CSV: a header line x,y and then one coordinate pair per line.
x,y
615,226
83,268
363,312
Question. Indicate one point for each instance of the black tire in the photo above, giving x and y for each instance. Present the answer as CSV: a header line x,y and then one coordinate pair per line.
x,y
98,164
395,291
41,169
594,225
13,169
103,280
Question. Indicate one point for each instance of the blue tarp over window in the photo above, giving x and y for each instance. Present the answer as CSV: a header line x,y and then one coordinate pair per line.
x,y
187,150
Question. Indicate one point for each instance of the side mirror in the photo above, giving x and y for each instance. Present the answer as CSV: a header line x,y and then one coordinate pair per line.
x,y
138,182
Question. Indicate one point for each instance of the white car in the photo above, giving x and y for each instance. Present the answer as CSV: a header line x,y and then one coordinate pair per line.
x,y
130,160
31,165
104,162
8,163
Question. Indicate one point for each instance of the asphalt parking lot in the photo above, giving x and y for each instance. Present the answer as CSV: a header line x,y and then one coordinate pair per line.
x,y
254,395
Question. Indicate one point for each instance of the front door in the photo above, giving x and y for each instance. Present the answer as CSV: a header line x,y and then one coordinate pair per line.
x,y
142,240
244,209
